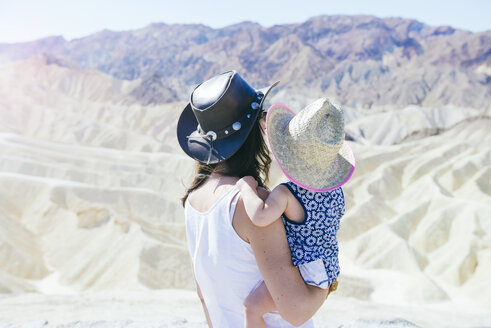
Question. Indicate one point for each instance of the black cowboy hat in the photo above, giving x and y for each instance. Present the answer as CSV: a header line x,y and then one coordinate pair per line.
x,y
219,116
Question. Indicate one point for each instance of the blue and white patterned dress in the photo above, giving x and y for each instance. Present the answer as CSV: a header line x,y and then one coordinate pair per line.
x,y
313,242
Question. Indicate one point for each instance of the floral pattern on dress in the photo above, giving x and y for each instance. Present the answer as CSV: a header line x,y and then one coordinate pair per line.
x,y
316,237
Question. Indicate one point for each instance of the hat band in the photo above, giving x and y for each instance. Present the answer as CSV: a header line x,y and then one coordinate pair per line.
x,y
237,125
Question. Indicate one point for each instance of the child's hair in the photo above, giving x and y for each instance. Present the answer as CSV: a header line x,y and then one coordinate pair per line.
x,y
251,159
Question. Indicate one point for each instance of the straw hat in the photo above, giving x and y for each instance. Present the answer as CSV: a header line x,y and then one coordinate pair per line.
x,y
309,147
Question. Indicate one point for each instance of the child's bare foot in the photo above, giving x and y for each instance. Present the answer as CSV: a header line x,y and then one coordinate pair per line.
x,y
253,318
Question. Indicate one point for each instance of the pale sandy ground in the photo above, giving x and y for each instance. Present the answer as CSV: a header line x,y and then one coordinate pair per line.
x,y
180,308
89,209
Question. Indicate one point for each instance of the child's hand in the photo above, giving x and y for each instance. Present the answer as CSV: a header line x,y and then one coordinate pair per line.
x,y
248,180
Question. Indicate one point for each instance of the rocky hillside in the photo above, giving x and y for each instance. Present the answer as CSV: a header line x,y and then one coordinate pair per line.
x,y
361,61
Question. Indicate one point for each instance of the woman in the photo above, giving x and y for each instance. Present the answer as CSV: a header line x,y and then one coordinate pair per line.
x,y
220,128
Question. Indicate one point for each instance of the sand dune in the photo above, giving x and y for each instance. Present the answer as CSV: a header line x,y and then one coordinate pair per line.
x,y
406,124
90,181
88,220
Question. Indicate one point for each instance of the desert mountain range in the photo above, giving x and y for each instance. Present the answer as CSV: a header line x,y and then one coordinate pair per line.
x,y
360,61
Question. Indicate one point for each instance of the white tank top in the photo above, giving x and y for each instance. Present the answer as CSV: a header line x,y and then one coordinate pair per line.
x,y
224,264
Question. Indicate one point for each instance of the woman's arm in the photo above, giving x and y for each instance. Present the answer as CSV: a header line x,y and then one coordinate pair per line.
x,y
204,305
262,213
296,301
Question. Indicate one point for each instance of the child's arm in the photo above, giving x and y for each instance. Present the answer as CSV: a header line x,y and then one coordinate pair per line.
x,y
262,213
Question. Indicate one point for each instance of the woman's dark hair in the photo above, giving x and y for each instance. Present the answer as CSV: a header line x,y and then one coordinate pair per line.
x,y
241,164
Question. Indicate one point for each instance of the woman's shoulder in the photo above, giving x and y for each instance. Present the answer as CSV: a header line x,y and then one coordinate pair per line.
x,y
206,195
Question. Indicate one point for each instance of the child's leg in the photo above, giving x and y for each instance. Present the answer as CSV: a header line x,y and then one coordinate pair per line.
x,y
256,304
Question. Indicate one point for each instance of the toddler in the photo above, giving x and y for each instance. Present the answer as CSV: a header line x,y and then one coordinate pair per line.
x,y
310,150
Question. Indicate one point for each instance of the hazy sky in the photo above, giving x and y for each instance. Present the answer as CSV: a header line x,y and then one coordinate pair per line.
x,y
23,20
